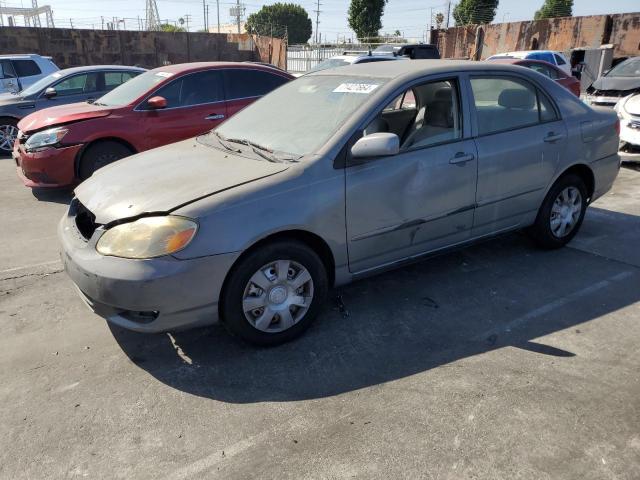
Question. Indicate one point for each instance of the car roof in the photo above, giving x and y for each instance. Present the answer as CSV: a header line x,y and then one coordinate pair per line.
x,y
22,55
412,68
93,68
179,68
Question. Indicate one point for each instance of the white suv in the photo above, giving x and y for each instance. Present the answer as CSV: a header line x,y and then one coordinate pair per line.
x,y
17,72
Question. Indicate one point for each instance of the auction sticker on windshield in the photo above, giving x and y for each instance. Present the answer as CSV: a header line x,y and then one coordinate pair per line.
x,y
365,88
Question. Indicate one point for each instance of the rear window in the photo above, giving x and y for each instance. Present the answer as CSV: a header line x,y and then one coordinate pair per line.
x,y
246,83
559,59
26,68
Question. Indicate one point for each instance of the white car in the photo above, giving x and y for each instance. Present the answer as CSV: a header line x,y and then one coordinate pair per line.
x,y
554,58
18,72
628,110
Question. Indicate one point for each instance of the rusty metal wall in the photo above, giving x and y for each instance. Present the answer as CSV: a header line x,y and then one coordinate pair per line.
x,y
621,30
71,48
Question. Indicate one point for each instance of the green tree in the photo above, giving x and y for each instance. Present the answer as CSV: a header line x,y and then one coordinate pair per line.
x,y
167,27
555,8
474,12
275,20
365,17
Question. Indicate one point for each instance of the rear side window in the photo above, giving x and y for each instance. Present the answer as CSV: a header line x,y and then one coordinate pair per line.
x,y
246,83
115,79
6,69
559,59
26,68
193,89
506,104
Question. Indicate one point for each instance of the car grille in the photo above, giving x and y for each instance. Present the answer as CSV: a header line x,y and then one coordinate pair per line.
x,y
85,221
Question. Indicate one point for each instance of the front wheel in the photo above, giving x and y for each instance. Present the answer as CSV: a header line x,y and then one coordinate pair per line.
x,y
100,155
561,213
8,134
273,294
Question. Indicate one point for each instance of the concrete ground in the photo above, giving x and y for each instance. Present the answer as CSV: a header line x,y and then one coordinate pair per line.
x,y
497,361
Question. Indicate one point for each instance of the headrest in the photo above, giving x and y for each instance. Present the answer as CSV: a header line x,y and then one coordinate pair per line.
x,y
439,114
443,93
517,98
377,125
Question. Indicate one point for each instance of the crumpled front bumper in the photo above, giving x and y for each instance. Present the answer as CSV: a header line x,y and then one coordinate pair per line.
x,y
153,295
48,168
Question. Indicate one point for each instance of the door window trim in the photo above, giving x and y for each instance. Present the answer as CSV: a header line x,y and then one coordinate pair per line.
x,y
538,89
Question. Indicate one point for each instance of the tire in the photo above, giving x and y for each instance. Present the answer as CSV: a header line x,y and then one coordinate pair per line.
x,y
8,134
100,155
265,322
559,219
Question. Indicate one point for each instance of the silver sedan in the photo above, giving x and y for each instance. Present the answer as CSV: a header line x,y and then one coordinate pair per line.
x,y
336,176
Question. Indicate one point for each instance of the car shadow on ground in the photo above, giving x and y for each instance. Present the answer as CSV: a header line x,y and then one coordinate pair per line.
x,y
53,195
501,293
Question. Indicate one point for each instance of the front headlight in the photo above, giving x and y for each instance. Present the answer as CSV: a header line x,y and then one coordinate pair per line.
x,y
46,138
148,237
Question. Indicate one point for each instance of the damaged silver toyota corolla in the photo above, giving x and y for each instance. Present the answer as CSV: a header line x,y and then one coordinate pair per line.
x,y
338,175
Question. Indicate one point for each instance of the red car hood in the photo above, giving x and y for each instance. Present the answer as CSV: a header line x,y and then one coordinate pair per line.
x,y
62,114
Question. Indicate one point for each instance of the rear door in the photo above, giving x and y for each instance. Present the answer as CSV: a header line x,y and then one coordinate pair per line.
x,y
8,78
195,105
520,139
245,85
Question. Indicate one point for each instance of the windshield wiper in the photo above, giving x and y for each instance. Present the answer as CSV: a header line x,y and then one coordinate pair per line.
x,y
262,151
97,103
222,140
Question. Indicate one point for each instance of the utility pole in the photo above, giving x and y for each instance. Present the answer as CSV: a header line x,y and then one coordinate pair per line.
x,y
204,14
187,18
238,14
448,12
317,10
218,13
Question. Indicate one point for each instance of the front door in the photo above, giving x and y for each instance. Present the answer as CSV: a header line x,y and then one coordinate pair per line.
x,y
73,89
520,140
195,105
421,199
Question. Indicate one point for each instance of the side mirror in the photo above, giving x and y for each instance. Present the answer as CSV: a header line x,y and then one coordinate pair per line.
x,y
381,144
605,72
50,92
157,103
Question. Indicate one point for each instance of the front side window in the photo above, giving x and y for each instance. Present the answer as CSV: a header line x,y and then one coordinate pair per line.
x,y
301,116
247,83
26,68
505,104
427,114
193,89
77,84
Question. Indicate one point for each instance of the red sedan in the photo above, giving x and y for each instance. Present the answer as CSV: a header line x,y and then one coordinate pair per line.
x,y
568,81
60,146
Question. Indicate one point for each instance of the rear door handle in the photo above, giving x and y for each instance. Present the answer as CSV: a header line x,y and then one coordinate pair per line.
x,y
214,116
461,158
553,137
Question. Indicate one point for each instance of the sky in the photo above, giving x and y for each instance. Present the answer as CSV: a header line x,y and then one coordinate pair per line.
x,y
411,17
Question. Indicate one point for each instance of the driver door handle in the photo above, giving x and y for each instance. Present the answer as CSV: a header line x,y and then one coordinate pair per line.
x,y
553,137
461,158
214,116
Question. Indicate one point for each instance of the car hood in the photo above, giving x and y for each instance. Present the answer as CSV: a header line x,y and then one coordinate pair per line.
x,y
62,114
167,178
616,83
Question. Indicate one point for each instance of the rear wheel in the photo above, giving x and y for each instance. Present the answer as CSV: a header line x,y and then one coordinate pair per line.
x,y
8,134
100,155
274,293
561,213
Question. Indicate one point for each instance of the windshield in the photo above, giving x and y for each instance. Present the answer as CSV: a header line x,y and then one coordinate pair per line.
x,y
299,117
628,68
41,84
331,63
130,91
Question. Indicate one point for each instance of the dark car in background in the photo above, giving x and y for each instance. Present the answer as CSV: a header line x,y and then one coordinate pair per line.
x,y
570,82
619,82
71,85
417,51
64,145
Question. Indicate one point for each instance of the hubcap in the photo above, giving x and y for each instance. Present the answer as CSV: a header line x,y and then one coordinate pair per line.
x,y
565,212
277,296
8,134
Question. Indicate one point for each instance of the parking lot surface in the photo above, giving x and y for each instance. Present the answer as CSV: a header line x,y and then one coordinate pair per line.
x,y
497,361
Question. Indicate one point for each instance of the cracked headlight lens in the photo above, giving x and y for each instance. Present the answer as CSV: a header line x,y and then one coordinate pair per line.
x,y
46,138
148,237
